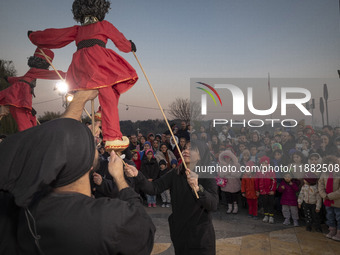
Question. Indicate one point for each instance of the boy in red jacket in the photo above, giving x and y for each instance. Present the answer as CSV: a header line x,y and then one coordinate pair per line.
x,y
265,185
248,190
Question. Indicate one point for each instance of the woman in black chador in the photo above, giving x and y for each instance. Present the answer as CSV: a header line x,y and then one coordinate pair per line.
x,y
191,227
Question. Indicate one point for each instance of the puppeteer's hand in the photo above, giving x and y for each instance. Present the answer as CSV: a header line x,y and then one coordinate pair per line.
x,y
192,179
87,95
130,171
75,109
133,46
116,170
116,166
97,178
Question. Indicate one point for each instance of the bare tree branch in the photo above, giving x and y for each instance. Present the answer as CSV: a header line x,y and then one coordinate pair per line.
x,y
185,110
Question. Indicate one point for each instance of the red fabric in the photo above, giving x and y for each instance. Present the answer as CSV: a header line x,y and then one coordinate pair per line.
x,y
137,162
18,96
23,118
94,67
252,206
248,186
19,93
265,182
108,99
47,52
329,189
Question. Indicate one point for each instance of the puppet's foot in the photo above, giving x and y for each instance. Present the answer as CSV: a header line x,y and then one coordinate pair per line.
x,y
117,145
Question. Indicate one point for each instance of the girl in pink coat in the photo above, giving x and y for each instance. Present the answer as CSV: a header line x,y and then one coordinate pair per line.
x,y
232,189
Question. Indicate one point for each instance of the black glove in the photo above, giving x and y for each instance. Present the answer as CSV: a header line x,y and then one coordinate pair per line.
x,y
133,46
29,32
33,111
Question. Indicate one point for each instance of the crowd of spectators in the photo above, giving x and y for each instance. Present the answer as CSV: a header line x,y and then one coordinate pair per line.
x,y
294,194
267,193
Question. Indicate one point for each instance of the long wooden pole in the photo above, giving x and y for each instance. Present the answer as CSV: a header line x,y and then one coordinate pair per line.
x,y
88,114
61,78
92,111
165,118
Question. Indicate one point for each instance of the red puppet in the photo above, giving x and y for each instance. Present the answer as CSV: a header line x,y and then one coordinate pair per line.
x,y
93,65
18,96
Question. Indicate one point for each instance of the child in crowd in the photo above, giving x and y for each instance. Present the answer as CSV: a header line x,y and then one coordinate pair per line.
x,y
173,163
248,190
288,187
277,161
315,159
329,189
310,201
165,195
231,190
253,154
265,185
150,170
297,164
136,159
244,157
146,147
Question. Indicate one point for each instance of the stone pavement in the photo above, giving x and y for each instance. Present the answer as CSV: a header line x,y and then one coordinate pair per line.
x,y
238,234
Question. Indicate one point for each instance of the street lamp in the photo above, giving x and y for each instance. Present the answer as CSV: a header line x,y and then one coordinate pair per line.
x,y
69,98
62,89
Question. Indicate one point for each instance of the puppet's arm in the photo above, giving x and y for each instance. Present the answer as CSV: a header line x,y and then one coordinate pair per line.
x,y
53,38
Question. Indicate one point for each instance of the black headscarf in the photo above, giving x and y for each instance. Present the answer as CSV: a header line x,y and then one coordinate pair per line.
x,y
54,154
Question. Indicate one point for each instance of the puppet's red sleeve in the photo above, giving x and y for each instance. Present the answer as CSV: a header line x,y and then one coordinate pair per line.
x,y
117,38
54,38
13,80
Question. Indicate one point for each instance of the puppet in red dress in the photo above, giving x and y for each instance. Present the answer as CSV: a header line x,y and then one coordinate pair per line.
x,y
93,65
18,96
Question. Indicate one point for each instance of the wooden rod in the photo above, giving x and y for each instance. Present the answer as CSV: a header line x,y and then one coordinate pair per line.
x,y
165,118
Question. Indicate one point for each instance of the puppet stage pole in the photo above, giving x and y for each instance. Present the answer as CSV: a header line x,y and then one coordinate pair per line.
x,y
165,118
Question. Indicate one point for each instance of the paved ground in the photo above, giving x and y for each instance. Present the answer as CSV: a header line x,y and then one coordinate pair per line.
x,y
238,234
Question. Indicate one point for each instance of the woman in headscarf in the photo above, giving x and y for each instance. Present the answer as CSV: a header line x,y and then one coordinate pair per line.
x,y
191,228
165,154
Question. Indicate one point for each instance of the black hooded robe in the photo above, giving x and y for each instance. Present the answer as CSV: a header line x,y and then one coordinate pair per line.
x,y
55,154
191,228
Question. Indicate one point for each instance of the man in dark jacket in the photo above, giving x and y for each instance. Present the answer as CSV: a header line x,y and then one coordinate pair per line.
x,y
51,183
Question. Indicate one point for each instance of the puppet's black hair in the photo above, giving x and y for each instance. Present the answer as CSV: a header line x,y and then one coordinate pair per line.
x,y
96,8
37,62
